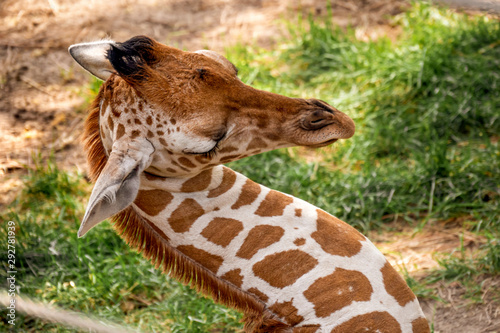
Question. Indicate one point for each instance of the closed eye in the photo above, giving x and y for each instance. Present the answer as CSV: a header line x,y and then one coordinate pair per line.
x,y
208,154
213,151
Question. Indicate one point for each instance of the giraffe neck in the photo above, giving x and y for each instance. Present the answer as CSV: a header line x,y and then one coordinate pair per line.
x,y
161,225
264,247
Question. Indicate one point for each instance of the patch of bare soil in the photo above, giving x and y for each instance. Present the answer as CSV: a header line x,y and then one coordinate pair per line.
x,y
42,89
489,6
455,312
453,308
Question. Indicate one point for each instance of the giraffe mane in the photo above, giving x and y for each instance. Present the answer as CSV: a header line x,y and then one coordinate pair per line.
x,y
142,236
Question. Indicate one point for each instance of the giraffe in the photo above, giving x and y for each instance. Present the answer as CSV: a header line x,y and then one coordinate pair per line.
x,y
163,124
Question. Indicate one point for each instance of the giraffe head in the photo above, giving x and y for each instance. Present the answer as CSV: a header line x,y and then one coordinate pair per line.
x,y
174,114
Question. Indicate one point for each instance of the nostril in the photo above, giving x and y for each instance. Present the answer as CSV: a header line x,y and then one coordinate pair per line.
x,y
317,120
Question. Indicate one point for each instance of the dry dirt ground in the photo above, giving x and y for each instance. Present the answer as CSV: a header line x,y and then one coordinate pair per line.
x,y
42,89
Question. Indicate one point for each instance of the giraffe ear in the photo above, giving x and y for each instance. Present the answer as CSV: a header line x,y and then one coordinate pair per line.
x,y
118,184
93,57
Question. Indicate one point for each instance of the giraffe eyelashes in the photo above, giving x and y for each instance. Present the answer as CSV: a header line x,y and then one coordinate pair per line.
x,y
205,146
207,154
218,137
212,152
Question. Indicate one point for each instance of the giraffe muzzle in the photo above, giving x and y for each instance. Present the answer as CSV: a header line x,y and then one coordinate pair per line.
x,y
323,124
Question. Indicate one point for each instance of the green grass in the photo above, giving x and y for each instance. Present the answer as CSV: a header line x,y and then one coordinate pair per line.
x,y
99,274
427,111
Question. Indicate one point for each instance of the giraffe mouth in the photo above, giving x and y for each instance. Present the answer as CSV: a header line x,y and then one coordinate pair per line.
x,y
322,144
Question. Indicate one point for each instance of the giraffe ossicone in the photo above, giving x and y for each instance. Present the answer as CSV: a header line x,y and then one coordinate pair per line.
x,y
156,137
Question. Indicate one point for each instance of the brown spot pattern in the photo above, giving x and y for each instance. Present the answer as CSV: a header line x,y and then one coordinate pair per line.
x,y
184,216
115,113
152,202
226,150
306,329
258,238
299,241
263,119
111,124
272,136
137,121
164,143
256,143
284,268
420,325
221,230
186,162
202,159
373,322
104,106
150,134
273,204
135,134
229,158
249,192
228,179
288,311
396,286
234,277
174,162
206,259
336,237
149,120
298,212
120,131
338,290
263,297
198,182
